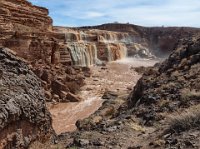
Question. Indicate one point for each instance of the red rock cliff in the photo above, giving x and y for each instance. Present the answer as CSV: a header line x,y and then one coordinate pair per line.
x,y
22,16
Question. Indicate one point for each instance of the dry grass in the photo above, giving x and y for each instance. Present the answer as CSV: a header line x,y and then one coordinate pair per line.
x,y
186,120
136,127
187,95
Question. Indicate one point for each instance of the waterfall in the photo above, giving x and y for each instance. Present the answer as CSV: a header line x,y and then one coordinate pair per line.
x,y
116,51
79,55
83,36
96,60
123,50
109,51
83,54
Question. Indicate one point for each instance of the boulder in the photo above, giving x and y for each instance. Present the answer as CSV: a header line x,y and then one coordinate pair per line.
x,y
58,87
72,98
23,113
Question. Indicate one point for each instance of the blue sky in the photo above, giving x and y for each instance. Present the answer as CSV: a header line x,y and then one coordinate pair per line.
x,y
140,12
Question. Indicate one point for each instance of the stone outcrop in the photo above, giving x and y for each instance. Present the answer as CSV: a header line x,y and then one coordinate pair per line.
x,y
171,85
60,80
23,115
22,16
167,97
24,28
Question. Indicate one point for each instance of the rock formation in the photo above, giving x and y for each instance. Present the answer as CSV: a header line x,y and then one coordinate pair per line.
x,y
23,29
23,115
172,87
169,80
158,40
28,30
22,16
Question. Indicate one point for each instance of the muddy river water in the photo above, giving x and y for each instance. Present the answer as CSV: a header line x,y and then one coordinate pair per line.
x,y
116,76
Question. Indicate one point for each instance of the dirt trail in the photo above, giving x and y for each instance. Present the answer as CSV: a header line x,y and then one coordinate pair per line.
x,y
116,76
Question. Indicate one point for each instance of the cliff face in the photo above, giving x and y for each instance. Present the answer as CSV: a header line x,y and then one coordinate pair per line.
x,y
27,29
22,16
23,115
158,40
24,27
163,40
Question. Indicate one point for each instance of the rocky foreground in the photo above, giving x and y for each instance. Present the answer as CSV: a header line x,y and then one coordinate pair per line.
x,y
162,110
23,113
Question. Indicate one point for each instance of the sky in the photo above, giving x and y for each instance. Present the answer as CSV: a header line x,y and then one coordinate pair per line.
x,y
73,13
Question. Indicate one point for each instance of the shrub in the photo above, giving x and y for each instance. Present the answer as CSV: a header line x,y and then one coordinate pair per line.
x,y
187,95
186,121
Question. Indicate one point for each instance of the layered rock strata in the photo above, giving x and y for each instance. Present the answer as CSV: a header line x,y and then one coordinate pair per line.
x,y
22,16
28,30
158,40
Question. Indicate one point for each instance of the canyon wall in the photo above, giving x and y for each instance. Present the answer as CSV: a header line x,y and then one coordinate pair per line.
x,y
160,41
22,16
28,30
23,28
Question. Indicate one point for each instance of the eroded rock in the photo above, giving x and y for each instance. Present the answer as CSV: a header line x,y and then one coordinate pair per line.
x,y
23,115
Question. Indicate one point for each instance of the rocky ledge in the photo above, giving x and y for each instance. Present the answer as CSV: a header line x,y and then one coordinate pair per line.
x,y
23,115
22,16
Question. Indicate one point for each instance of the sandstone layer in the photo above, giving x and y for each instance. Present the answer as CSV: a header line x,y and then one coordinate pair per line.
x,y
23,115
27,30
22,16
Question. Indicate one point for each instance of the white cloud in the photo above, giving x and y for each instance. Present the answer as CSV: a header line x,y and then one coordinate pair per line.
x,y
142,12
92,14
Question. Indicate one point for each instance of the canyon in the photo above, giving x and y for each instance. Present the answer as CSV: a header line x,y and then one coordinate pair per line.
x,y
63,74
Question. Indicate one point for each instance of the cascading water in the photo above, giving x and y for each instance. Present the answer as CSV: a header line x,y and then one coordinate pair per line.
x,y
85,53
109,51
123,50
116,51
79,54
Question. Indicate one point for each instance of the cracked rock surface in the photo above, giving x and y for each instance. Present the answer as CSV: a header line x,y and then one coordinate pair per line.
x,y
23,113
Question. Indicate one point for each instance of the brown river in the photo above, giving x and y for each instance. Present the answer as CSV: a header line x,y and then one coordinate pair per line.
x,y
116,76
